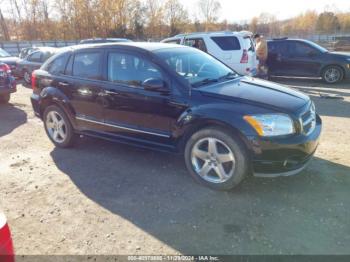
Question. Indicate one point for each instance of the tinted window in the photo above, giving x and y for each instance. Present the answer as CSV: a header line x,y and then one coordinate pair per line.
x,y
35,57
279,47
173,42
196,43
227,43
300,49
58,65
130,69
87,65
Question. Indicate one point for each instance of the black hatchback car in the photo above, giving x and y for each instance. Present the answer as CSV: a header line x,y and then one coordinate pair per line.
x,y
303,58
7,83
177,99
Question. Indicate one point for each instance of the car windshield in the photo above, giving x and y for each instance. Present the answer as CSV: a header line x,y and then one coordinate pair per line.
x,y
318,47
3,53
197,67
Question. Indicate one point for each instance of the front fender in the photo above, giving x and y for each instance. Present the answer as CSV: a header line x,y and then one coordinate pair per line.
x,y
215,114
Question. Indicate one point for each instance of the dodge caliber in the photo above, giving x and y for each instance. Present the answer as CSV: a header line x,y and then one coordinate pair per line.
x,y
177,99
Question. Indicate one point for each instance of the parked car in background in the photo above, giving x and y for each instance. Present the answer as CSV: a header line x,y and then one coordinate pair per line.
x,y
156,96
7,83
303,58
235,49
103,40
33,61
10,60
342,45
6,246
26,51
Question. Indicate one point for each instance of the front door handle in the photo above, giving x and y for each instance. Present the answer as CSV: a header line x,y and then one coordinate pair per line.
x,y
63,84
109,92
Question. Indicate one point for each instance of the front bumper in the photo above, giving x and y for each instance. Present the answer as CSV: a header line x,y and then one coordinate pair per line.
x,y
285,156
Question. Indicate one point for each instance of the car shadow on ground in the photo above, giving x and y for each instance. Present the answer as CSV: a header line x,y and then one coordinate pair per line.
x,y
262,216
13,116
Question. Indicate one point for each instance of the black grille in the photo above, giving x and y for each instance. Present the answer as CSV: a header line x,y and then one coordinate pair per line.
x,y
308,120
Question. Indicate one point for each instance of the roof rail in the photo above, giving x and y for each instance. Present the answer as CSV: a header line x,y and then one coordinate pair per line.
x,y
209,32
281,38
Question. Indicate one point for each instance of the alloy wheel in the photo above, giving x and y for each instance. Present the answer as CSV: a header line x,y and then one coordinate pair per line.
x,y
27,77
56,127
332,75
213,160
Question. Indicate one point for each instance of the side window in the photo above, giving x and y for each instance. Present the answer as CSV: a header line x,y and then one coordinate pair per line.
x,y
35,57
196,43
177,41
301,49
130,69
57,66
227,43
87,65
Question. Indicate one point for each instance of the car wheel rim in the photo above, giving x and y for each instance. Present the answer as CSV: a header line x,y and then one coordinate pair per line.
x,y
332,75
26,77
213,160
56,127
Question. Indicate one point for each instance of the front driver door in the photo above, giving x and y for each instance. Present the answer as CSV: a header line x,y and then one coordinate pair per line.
x,y
132,110
304,60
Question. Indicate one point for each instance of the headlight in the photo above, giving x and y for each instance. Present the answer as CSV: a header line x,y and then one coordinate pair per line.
x,y
271,124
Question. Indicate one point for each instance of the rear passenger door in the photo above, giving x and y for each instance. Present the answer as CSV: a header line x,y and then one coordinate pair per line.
x,y
83,86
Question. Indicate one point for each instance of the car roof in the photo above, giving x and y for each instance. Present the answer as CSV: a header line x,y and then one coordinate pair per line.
x,y
148,46
217,33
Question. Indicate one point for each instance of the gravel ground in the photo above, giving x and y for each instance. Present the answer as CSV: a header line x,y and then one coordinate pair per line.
x,y
104,198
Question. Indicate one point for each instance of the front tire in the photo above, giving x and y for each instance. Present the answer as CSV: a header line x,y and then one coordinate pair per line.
x,y
216,159
58,127
332,74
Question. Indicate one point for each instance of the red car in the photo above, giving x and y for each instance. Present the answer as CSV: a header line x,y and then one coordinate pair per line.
x,y
6,247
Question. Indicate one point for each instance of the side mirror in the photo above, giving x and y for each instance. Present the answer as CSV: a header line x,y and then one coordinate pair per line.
x,y
155,84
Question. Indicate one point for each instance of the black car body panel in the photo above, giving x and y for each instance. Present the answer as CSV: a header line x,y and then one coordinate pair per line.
x,y
7,82
302,58
164,119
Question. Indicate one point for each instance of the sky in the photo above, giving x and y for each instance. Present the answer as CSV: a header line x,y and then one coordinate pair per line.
x,y
236,11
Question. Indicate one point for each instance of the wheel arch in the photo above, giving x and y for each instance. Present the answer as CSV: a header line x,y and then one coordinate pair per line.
x,y
52,96
332,64
210,123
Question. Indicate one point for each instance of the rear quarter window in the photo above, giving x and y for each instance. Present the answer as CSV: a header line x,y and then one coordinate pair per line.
x,y
57,65
227,43
87,65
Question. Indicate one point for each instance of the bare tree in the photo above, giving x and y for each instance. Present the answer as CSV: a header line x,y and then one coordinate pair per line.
x,y
175,16
209,10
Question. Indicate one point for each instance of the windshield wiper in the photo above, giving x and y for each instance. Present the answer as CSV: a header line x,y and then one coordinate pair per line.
x,y
205,82
229,75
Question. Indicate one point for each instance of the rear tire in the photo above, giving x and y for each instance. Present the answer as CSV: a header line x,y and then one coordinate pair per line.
x,y
216,159
58,127
332,74
27,77
4,99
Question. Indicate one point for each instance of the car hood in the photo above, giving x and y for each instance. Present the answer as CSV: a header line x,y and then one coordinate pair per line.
x,y
340,54
259,92
9,60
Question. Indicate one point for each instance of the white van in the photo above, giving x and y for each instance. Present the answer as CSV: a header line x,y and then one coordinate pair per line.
x,y
235,49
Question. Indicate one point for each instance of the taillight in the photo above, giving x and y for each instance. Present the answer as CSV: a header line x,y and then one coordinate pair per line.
x,y
33,81
245,57
5,68
6,246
